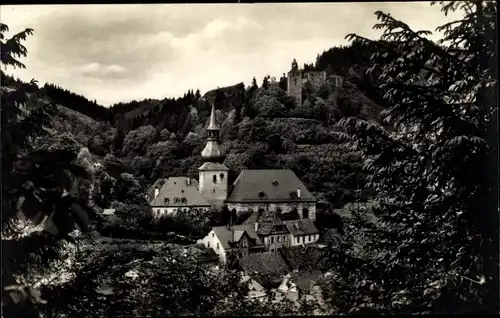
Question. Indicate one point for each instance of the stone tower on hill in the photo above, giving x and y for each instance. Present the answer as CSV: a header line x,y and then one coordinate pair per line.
x,y
294,83
297,77
213,180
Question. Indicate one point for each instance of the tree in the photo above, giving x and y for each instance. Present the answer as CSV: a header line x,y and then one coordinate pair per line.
x,y
37,184
434,230
265,82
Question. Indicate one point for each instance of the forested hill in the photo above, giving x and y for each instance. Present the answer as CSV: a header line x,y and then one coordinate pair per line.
x,y
261,127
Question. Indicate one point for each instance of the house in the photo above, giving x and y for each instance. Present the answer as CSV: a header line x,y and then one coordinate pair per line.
x,y
270,229
278,190
302,232
300,285
239,239
255,290
178,194
267,268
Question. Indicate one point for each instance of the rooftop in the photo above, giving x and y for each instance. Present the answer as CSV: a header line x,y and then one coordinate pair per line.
x,y
182,188
227,236
264,185
301,227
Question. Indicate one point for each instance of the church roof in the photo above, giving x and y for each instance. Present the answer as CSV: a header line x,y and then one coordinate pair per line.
x,y
177,187
269,185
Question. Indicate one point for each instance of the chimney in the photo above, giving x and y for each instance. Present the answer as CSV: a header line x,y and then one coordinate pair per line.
x,y
189,181
256,226
298,193
157,191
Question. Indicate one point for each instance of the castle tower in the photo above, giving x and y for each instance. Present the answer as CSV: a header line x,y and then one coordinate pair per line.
x,y
213,173
294,80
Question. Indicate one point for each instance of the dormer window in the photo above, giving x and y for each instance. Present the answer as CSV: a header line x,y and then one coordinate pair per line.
x,y
275,183
184,200
293,194
262,194
166,200
177,200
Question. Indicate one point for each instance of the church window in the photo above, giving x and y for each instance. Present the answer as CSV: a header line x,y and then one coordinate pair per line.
x,y
217,245
305,213
221,176
214,179
208,244
213,234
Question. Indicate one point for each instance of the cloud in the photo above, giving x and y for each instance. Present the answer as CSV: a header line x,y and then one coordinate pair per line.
x,y
117,53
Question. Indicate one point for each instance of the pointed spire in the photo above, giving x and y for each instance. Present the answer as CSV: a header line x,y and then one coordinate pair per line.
x,y
212,125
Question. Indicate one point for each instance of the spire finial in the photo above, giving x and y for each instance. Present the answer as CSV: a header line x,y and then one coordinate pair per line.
x,y
212,125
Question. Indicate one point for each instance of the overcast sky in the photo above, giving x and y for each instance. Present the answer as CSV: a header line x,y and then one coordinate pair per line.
x,y
115,53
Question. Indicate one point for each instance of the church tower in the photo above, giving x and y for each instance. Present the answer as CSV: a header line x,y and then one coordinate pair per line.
x,y
213,179
294,80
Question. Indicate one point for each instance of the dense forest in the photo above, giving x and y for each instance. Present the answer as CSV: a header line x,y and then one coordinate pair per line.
x,y
413,126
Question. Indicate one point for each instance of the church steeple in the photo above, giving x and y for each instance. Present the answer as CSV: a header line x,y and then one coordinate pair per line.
x,y
212,151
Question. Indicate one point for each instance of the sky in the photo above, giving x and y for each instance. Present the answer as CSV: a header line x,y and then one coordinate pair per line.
x,y
119,53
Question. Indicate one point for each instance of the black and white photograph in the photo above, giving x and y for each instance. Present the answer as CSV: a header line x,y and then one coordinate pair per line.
x,y
249,159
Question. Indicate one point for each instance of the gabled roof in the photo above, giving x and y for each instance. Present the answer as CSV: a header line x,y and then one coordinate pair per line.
x,y
301,227
226,237
268,222
269,185
177,187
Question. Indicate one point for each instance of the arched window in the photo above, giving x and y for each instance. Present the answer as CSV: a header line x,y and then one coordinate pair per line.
x,y
214,178
305,213
221,176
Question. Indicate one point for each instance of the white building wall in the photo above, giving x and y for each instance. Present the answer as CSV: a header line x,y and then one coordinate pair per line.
x,y
285,207
211,241
214,192
303,239
159,211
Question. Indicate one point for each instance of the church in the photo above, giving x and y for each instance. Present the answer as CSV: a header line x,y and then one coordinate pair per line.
x,y
273,190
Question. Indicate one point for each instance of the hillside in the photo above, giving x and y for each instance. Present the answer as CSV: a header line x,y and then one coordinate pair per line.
x,y
261,127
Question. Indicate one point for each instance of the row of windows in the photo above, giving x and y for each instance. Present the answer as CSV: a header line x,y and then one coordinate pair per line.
x,y
281,238
305,239
158,211
176,200
208,245
214,178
